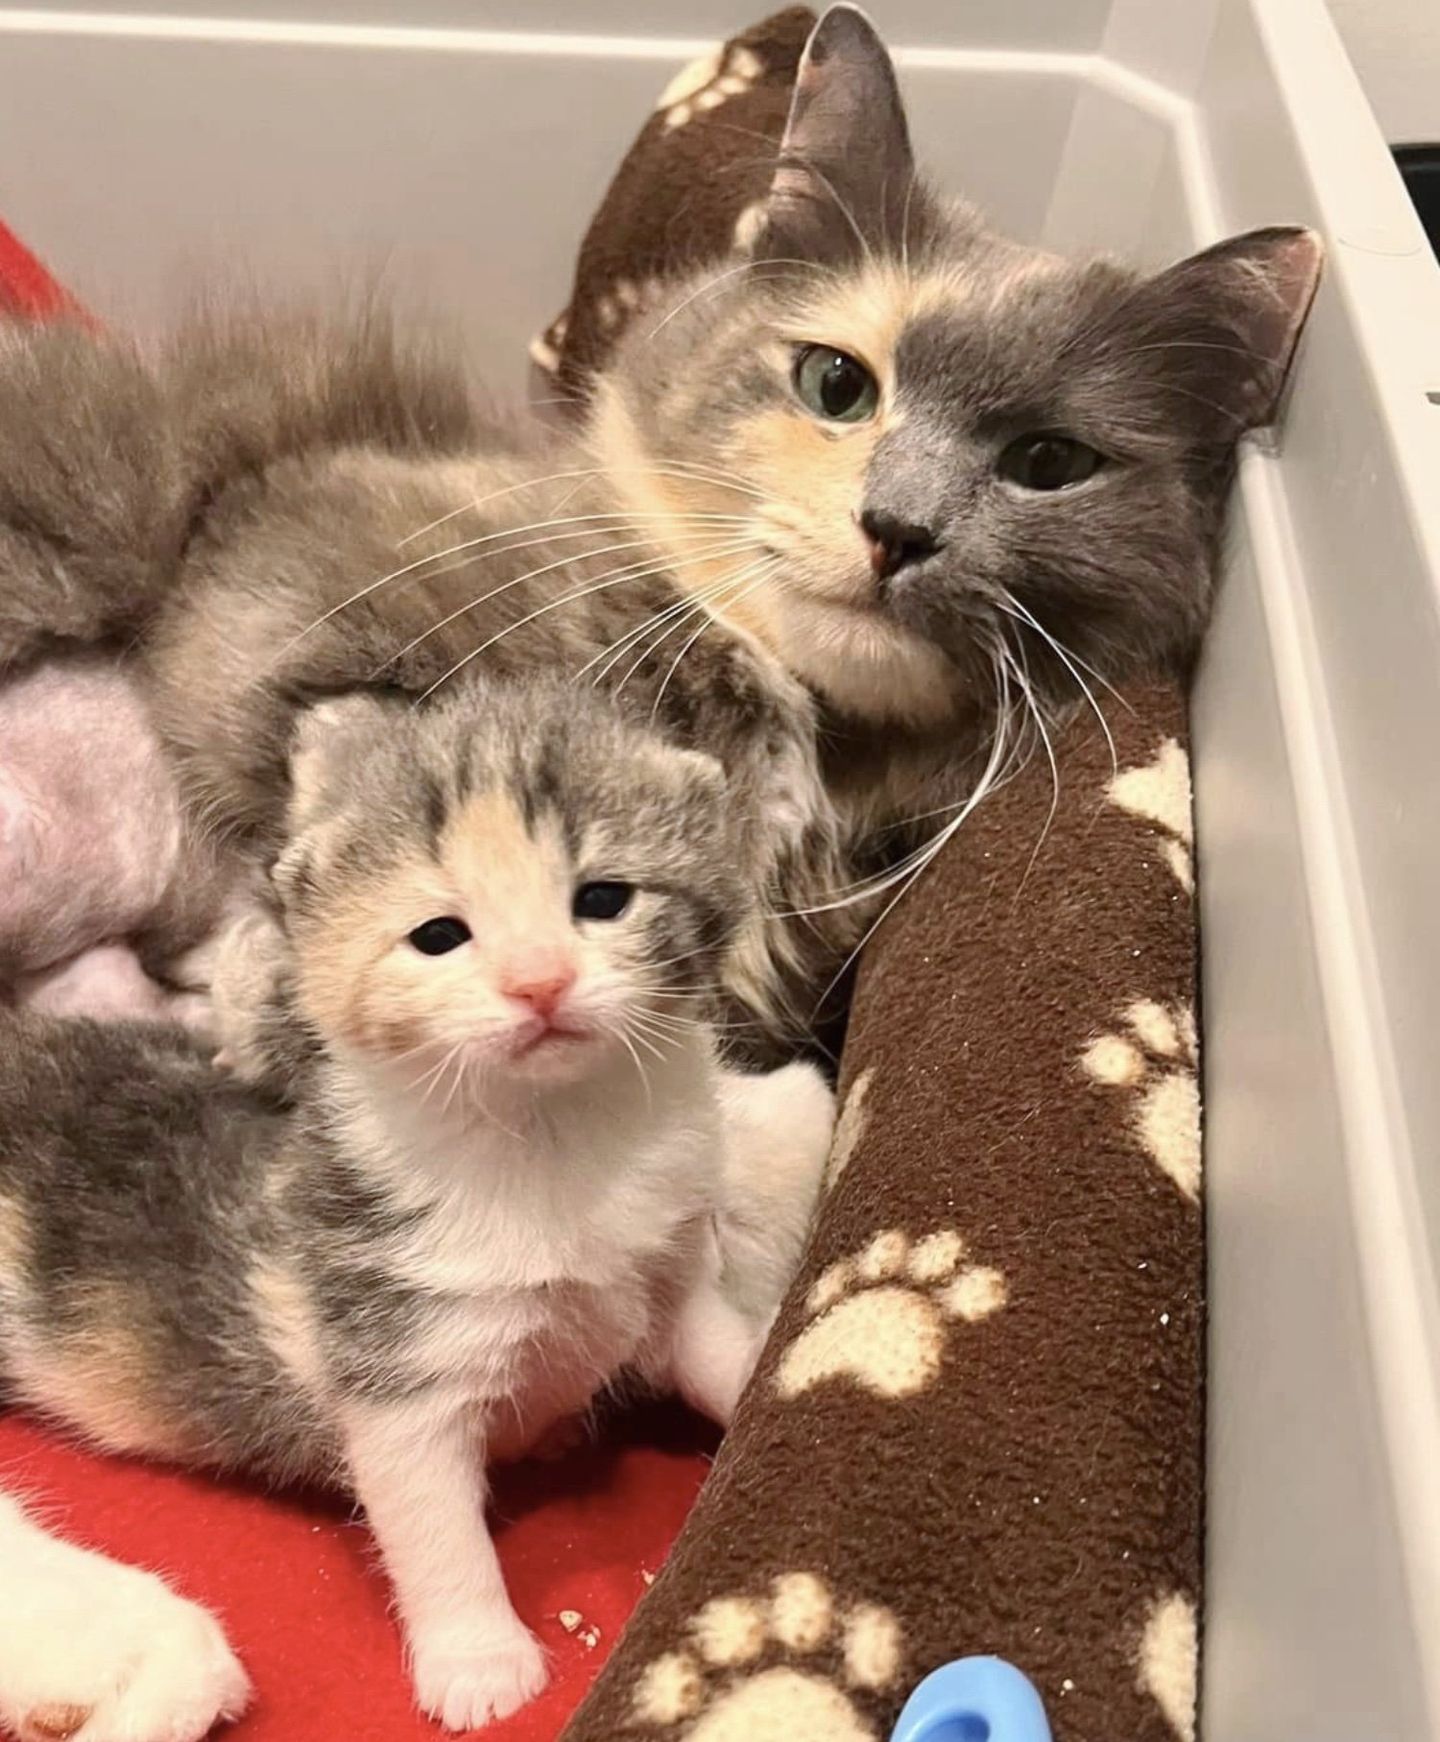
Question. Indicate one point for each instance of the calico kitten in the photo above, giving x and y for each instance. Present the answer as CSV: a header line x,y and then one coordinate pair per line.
x,y
857,512
495,1195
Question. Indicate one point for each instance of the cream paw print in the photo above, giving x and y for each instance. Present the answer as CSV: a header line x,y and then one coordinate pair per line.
x,y
709,83
1159,792
779,1668
882,1319
1155,1059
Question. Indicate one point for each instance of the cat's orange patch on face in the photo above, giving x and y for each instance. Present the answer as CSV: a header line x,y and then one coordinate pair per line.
x,y
817,519
866,313
487,850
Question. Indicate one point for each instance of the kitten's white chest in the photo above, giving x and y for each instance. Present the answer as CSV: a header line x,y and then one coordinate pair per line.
x,y
551,1262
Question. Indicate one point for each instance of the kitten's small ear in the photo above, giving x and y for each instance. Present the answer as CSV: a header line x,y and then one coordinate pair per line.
x,y
327,739
1256,289
846,174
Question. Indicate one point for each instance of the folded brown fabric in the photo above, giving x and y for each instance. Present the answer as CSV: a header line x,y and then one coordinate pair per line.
x,y
978,1428
705,155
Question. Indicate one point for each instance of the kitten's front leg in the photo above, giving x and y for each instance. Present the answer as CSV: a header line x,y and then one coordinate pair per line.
x,y
418,1471
714,1351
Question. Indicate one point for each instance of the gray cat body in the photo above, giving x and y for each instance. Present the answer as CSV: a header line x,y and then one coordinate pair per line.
x,y
860,513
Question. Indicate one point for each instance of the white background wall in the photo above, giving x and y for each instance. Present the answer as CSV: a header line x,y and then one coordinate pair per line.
x,y
1395,45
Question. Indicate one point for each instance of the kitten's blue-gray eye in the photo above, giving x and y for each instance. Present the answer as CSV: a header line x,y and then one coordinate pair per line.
x,y
834,385
1048,462
437,937
602,900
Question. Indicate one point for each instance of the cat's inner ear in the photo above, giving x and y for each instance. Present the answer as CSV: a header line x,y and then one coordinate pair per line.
x,y
1231,317
845,181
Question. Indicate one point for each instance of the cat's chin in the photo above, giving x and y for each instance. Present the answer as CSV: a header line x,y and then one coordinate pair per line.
x,y
864,663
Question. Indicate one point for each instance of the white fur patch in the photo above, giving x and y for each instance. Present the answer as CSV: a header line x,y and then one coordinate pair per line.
x,y
86,1640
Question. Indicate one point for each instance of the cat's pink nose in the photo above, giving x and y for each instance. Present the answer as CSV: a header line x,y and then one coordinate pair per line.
x,y
541,987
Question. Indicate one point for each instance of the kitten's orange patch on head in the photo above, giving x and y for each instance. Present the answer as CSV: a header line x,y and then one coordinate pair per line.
x,y
360,981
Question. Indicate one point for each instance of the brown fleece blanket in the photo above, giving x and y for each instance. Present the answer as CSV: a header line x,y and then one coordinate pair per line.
x,y
978,1427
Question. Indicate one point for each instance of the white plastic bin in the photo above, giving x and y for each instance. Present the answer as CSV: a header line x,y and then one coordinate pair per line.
x,y
454,145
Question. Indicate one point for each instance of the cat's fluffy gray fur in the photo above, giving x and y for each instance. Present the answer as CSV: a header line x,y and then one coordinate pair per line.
x,y
278,515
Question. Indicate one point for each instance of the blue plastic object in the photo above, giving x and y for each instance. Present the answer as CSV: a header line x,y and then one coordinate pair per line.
x,y
974,1699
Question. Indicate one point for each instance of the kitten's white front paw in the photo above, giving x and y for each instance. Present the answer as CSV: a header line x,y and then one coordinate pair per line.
x,y
467,1677
97,1652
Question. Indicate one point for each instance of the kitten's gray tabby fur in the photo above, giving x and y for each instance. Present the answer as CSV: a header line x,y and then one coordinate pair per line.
x,y
860,616
479,1214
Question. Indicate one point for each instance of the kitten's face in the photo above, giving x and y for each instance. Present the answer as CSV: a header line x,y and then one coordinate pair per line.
x,y
970,461
515,890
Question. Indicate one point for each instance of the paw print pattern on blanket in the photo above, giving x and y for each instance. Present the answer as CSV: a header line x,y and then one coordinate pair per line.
x,y
726,1685
1159,792
1156,1061
709,83
882,1318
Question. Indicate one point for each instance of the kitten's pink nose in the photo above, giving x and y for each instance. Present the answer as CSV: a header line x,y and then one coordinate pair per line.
x,y
540,985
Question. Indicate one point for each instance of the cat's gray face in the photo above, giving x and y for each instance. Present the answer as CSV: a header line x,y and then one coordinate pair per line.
x,y
511,880
979,466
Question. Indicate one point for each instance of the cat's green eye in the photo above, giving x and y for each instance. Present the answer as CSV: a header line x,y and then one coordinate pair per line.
x,y
834,385
1048,462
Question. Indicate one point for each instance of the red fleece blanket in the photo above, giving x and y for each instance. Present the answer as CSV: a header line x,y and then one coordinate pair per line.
x,y
294,1578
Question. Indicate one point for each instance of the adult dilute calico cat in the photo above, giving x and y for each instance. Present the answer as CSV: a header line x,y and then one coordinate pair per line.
x,y
855,511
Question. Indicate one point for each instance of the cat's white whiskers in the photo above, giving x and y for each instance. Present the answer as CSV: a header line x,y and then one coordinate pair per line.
x,y
629,1045
578,474
637,571
682,608
613,580
720,278
1036,714
1013,607
748,580
589,526
697,603
982,789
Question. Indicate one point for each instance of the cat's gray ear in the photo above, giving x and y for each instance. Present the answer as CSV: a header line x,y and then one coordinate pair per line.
x,y
1255,291
845,180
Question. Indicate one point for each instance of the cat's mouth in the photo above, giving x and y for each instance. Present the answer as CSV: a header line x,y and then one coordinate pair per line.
x,y
544,1034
